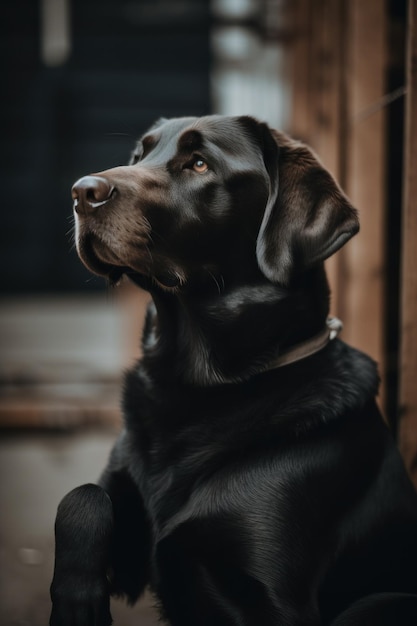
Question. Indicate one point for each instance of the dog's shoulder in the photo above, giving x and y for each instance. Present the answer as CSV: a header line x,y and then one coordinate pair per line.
x,y
344,380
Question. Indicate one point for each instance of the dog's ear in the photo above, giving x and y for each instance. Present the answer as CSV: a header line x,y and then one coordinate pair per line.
x,y
307,217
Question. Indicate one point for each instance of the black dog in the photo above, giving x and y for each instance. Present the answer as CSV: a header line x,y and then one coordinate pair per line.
x,y
255,483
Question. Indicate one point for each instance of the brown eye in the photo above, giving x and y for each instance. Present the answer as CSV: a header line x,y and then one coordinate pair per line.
x,y
200,166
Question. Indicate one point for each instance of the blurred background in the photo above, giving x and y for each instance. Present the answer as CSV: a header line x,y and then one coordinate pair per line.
x,y
81,80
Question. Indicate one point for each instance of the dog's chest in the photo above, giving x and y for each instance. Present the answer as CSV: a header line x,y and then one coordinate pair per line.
x,y
171,472
172,449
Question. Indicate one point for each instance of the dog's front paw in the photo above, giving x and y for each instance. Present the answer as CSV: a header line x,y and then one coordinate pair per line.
x,y
80,604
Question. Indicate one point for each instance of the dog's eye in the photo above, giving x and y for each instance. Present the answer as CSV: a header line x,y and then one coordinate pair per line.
x,y
200,166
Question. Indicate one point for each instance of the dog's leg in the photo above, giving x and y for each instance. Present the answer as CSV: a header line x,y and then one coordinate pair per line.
x,y
130,545
83,532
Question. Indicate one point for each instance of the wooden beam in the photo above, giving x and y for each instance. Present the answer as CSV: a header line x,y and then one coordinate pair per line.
x,y
408,321
363,284
317,107
317,58
327,59
301,111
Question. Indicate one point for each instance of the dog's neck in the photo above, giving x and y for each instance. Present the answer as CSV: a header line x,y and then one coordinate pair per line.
x,y
236,334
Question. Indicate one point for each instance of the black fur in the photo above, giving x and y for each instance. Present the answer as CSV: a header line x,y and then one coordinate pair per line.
x,y
241,495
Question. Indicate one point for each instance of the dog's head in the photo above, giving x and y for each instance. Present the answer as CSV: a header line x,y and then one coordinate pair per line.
x,y
211,195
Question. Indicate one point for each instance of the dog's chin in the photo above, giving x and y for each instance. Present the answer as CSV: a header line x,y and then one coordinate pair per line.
x,y
95,257
103,261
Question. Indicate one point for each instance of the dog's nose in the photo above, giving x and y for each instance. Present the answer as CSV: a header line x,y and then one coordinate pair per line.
x,y
91,192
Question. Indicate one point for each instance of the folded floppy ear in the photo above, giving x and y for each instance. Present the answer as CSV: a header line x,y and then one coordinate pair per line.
x,y
307,217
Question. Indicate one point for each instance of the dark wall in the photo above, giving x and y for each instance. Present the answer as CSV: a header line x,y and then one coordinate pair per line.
x,y
131,62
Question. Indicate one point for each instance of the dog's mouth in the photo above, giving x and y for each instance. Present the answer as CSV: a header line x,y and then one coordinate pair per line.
x,y
100,258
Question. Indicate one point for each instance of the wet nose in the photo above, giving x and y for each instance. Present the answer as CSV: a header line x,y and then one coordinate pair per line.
x,y
91,192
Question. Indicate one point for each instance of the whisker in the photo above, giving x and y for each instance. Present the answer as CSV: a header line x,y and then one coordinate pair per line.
x,y
216,281
116,134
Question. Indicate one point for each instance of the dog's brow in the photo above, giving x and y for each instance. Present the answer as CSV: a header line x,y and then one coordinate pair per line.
x,y
190,140
148,143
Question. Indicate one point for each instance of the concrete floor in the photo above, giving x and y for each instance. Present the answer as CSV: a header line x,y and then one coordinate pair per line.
x,y
35,472
61,360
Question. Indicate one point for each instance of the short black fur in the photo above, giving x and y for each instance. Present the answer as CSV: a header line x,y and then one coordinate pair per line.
x,y
241,493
